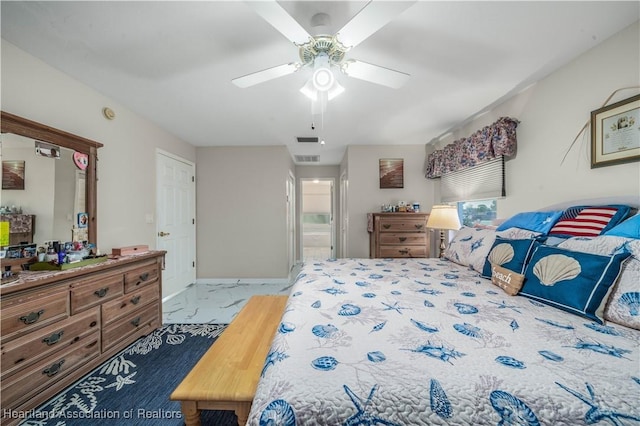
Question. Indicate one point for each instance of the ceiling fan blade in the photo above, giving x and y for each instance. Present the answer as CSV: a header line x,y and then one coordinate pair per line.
x,y
375,15
375,74
274,14
265,75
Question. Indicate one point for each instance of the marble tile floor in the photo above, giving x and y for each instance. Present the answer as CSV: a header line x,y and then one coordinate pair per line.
x,y
215,303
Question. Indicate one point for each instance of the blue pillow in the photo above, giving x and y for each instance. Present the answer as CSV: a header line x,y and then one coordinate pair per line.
x,y
510,254
533,221
630,228
574,281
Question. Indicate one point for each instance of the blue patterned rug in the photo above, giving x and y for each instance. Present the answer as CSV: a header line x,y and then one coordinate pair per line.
x,y
133,387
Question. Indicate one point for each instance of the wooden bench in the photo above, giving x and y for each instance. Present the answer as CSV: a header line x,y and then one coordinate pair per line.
x,y
227,375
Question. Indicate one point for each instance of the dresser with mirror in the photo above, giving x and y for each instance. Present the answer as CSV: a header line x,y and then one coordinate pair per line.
x,y
59,324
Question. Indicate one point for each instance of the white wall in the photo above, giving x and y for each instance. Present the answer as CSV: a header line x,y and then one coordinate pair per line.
x,y
241,211
126,166
551,114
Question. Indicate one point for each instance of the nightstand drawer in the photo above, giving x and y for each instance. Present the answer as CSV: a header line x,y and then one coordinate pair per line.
x,y
403,251
403,238
406,225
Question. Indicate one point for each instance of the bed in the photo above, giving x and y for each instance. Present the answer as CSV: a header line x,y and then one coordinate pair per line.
x,y
441,341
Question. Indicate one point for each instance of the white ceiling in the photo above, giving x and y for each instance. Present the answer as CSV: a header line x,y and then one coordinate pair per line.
x,y
173,63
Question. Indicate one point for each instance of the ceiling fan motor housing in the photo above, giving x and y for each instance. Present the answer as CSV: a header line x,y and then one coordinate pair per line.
x,y
334,50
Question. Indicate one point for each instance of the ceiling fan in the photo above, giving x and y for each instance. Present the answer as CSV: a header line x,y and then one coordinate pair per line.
x,y
321,52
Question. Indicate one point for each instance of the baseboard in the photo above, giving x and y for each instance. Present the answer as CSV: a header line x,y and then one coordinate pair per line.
x,y
283,281
164,299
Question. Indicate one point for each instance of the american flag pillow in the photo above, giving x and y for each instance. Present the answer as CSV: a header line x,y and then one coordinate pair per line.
x,y
586,222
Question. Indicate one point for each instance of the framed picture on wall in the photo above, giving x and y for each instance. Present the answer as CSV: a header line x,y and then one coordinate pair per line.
x,y
391,173
615,133
13,174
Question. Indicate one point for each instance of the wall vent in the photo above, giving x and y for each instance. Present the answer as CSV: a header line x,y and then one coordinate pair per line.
x,y
307,158
307,139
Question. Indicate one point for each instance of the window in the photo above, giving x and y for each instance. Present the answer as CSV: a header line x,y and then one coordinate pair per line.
x,y
474,213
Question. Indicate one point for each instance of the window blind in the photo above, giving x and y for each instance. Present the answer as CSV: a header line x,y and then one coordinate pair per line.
x,y
484,181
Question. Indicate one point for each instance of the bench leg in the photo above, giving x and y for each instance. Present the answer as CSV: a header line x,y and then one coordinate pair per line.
x,y
242,411
191,413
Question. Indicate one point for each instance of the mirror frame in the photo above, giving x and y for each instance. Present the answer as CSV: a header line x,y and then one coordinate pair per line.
x,y
10,123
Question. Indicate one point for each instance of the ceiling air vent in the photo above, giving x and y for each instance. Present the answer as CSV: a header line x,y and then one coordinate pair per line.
x,y
307,139
307,158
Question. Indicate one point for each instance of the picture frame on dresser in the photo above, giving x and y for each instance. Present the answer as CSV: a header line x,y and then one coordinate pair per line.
x,y
615,133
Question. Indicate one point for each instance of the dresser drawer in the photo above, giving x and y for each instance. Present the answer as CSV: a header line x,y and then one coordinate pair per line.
x,y
403,251
20,353
112,334
128,303
403,238
22,386
140,277
405,225
21,315
87,294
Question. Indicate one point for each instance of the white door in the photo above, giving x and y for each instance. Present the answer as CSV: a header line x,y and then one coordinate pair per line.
x,y
316,209
344,215
291,219
176,223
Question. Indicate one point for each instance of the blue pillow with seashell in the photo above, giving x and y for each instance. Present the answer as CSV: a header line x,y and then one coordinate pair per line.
x,y
510,254
573,281
623,306
534,221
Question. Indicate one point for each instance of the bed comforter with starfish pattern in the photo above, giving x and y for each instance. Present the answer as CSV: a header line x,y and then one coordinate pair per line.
x,y
428,342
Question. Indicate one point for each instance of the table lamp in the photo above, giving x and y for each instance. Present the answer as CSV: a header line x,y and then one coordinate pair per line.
x,y
443,217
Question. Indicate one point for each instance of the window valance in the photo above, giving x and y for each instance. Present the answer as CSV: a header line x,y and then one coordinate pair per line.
x,y
495,140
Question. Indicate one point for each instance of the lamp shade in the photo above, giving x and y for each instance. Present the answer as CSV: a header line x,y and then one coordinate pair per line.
x,y
444,217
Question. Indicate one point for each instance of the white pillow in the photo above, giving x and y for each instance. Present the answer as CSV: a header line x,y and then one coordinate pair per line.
x,y
470,247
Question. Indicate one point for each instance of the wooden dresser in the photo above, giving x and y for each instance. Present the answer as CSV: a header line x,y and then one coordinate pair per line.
x,y
57,326
399,235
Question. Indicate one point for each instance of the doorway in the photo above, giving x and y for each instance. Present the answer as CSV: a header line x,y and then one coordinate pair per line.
x,y
175,221
316,217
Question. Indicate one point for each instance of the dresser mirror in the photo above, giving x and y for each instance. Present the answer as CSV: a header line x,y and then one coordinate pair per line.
x,y
59,177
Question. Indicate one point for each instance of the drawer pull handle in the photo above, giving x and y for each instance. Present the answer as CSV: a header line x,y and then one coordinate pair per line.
x,y
386,225
32,317
403,239
143,278
53,369
102,292
135,322
54,338
404,251
419,226
135,300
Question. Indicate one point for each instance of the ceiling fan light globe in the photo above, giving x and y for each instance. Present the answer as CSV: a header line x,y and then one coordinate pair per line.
x,y
309,91
335,90
323,79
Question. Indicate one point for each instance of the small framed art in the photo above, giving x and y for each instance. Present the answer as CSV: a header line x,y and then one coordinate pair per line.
x,y
615,133
391,173
13,174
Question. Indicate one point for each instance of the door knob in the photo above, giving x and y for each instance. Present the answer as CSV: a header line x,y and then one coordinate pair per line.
x,y
162,234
